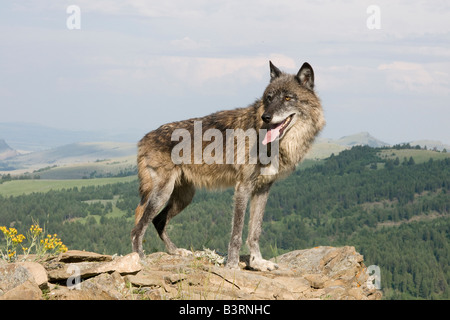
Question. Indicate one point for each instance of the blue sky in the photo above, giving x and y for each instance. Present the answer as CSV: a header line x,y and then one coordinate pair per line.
x,y
136,64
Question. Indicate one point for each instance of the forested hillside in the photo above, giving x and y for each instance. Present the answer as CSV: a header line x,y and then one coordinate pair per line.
x,y
392,207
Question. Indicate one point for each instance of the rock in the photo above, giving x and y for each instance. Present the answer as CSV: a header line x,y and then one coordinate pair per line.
x,y
102,287
339,271
245,284
124,265
304,261
28,290
60,271
317,273
96,288
21,281
146,279
13,275
316,281
83,256
38,271
174,278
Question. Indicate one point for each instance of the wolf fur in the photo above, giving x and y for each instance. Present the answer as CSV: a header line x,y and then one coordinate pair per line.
x,y
289,102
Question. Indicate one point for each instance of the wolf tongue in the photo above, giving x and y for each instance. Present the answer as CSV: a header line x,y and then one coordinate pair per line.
x,y
272,134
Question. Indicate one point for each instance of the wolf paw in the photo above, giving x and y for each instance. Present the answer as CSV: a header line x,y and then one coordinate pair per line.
x,y
262,265
232,266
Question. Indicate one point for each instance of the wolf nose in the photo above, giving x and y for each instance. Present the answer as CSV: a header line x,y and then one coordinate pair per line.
x,y
266,117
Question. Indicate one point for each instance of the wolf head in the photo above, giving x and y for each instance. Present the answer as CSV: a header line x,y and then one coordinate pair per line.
x,y
286,100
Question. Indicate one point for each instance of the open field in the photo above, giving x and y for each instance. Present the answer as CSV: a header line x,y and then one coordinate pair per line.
x,y
19,187
97,169
322,150
419,156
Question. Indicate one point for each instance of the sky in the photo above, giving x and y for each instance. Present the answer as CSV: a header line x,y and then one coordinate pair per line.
x,y
129,66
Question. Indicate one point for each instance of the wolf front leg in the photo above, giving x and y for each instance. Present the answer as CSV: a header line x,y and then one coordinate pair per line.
x,y
257,206
242,193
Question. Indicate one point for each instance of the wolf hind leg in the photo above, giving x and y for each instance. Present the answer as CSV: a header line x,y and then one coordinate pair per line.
x,y
151,203
181,197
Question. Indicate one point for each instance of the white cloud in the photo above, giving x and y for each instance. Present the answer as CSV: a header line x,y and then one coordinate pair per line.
x,y
308,20
184,72
417,78
245,69
345,78
420,17
144,8
188,44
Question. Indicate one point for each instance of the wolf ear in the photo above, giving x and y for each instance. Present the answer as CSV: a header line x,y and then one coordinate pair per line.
x,y
274,71
306,76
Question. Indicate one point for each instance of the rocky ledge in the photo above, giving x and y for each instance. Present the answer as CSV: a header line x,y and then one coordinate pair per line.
x,y
318,273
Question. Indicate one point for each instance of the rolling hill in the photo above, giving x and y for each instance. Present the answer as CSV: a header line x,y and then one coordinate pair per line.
x,y
64,154
74,161
430,144
6,151
357,139
78,153
78,160
34,137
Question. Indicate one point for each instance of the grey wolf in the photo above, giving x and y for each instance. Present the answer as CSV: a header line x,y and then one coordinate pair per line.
x,y
289,114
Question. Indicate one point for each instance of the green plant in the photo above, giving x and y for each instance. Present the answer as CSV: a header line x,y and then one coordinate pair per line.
x,y
12,242
211,256
274,250
50,244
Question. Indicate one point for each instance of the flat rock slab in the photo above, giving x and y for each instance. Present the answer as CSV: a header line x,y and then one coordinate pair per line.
x,y
72,256
147,279
124,265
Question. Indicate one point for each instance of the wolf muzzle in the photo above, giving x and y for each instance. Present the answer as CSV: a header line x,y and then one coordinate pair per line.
x,y
266,117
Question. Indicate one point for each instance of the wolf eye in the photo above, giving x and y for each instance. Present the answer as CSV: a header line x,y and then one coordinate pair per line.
x,y
287,98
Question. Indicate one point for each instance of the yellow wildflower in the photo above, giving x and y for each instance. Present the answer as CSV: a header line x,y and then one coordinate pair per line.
x,y
35,230
11,254
8,232
36,238
18,239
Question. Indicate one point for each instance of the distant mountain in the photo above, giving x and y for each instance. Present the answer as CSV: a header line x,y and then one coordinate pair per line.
x,y
361,139
76,153
35,137
4,146
324,147
6,151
